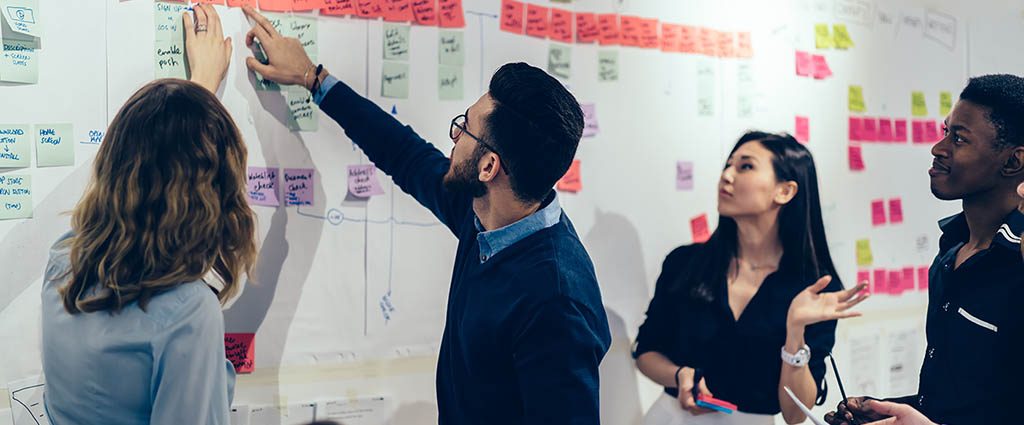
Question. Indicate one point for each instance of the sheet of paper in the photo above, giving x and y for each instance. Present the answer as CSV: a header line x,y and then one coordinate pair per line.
x,y
820,66
803,408
865,359
23,18
303,110
885,133
360,411
332,8
904,360
26,401
922,278
899,130
880,281
55,145
856,129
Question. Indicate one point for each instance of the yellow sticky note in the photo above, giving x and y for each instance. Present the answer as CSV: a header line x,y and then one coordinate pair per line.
x,y
856,99
822,38
864,257
945,102
841,36
918,107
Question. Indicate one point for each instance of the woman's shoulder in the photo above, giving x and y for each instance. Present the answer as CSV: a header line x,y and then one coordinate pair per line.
x,y
59,262
682,254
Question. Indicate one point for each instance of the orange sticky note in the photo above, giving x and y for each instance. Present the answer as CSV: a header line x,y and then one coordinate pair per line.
x,y
689,38
895,210
726,44
451,14
856,158
240,349
878,212
369,9
708,41
671,37
587,30
537,21
241,3
561,25
338,7
305,5
397,10
629,30
649,36
276,5
425,12
744,45
699,228
571,181
512,16
608,26
803,129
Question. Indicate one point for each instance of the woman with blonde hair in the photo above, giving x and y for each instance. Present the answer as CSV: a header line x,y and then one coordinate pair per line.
x,y
131,320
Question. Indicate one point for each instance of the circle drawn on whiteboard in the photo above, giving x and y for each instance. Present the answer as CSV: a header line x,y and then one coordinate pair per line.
x,y
335,216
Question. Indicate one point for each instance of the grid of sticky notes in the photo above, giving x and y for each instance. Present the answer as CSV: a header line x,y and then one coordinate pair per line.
x,y
20,40
442,13
272,187
919,130
53,145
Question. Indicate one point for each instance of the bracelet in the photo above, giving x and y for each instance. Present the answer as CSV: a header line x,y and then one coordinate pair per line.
x,y
305,76
677,376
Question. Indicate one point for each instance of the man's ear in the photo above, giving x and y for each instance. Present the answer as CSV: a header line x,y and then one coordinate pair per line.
x,y
489,166
1014,165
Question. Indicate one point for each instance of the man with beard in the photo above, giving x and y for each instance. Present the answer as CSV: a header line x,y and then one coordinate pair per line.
x,y
975,325
525,328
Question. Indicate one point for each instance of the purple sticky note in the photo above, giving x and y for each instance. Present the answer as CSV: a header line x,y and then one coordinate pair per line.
x,y
362,181
684,175
298,186
590,128
263,188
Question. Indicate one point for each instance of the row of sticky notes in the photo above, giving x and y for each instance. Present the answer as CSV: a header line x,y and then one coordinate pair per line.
x,y
15,196
839,38
890,130
810,65
54,144
894,282
264,186
443,13
612,29
20,37
572,181
878,216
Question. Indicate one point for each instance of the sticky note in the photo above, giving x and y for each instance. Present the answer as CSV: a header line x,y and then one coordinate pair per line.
x,y
744,45
561,25
253,3
707,41
629,30
671,37
303,5
425,12
821,68
512,16
15,146
922,278
908,279
363,182
608,28
369,9
855,99
298,186
931,131
572,180
559,60
803,129
689,39
684,175
822,38
918,131
705,89
856,129
880,282
332,7
537,21
895,210
449,82
899,130
869,129
587,30
841,36
607,65
895,282
15,196
918,106
450,48
856,157
22,17
451,14
885,133
945,103
864,257
276,5
303,110
699,228
649,38
396,41
55,145
397,10
240,349
263,186
877,212
394,80
590,126
169,59
864,277
727,47
804,66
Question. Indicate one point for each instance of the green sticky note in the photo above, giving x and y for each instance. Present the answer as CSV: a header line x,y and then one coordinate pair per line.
x,y
945,103
449,80
705,89
55,145
608,65
15,146
263,84
168,21
169,59
15,196
304,116
396,42
918,106
841,36
855,99
450,49
394,80
822,38
19,62
304,29
559,60
23,20
864,257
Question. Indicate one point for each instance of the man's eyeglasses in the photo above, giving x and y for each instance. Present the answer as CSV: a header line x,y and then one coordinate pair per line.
x,y
459,126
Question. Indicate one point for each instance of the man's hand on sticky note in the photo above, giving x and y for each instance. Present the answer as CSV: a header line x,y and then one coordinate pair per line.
x,y
287,62
209,53
685,396
853,411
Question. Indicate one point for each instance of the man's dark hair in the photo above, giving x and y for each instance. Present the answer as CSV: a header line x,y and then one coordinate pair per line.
x,y
1003,95
536,125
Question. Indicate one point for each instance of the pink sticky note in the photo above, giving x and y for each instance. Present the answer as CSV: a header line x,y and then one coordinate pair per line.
x,y
572,181
240,349
856,157
451,14
864,277
362,181
880,283
908,279
369,9
298,186
306,5
537,21
820,67
425,12
241,3
899,130
895,282
587,30
629,30
803,129
918,133
608,27
590,126
263,188
895,210
856,129
671,36
397,10
931,132
276,5
744,46
689,37
885,130
561,25
338,7
512,16
684,175
804,66
727,45
878,212
649,37
708,41
922,278
869,129
699,228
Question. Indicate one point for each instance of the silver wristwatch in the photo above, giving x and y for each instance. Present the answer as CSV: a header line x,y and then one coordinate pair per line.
x,y
802,356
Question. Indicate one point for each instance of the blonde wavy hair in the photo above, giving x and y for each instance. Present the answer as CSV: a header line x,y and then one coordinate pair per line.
x,y
166,204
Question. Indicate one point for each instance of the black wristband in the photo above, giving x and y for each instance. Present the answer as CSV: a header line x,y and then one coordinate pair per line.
x,y
316,78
